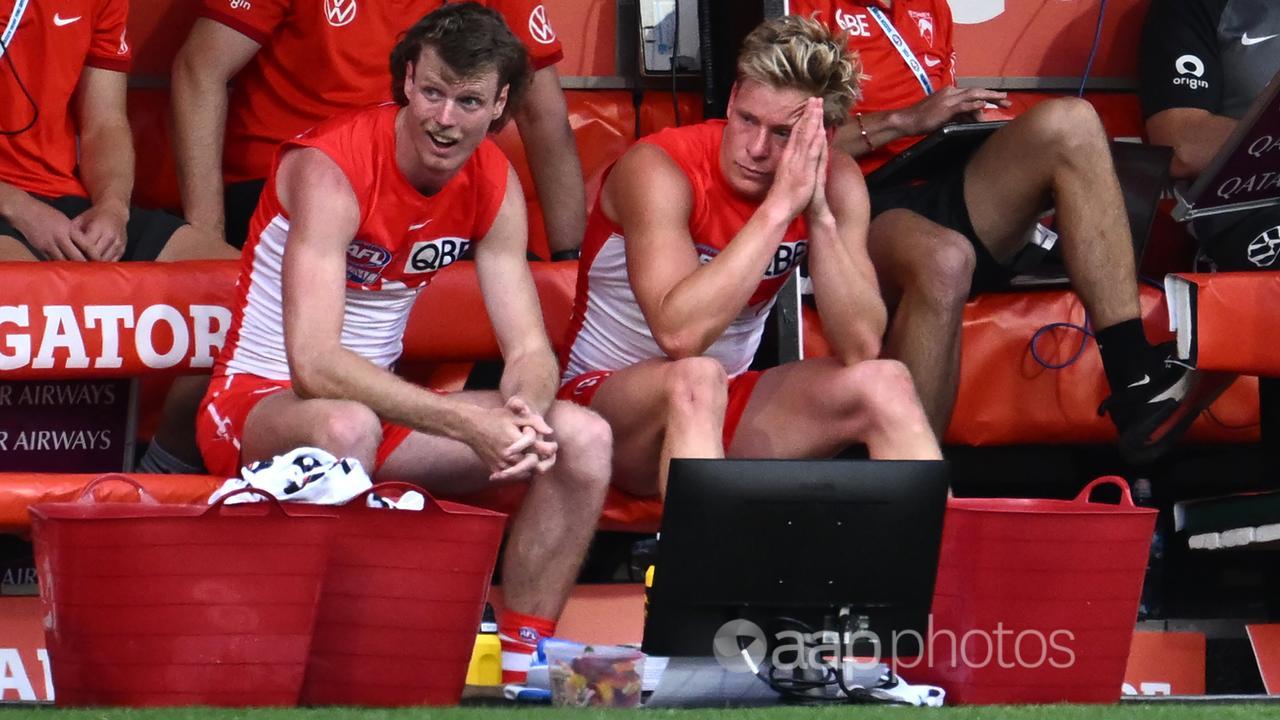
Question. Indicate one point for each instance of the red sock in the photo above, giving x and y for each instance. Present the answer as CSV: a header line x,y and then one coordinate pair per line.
x,y
519,635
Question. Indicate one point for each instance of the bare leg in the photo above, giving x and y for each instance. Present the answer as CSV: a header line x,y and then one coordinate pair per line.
x,y
188,243
551,532
283,421
1057,155
549,535
925,270
660,409
11,250
815,408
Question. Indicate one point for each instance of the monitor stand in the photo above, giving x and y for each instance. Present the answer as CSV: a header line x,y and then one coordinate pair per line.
x,y
702,682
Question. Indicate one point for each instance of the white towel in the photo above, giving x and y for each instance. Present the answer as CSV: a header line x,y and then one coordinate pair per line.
x,y
305,474
411,500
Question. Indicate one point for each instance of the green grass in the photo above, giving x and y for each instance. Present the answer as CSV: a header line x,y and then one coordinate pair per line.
x,y
1162,711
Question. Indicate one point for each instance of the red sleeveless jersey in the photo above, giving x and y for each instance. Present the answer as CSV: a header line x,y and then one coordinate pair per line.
x,y
404,238
608,330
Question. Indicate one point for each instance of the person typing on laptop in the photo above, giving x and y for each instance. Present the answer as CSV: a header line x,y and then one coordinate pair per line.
x,y
695,231
936,242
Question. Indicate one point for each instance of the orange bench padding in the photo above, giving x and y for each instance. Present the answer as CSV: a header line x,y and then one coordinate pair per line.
x,y
19,491
61,311
1006,398
1236,314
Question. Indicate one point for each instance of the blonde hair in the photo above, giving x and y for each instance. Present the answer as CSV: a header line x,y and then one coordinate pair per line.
x,y
802,53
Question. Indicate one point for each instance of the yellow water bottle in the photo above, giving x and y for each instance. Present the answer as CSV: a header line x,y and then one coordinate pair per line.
x,y
648,587
486,657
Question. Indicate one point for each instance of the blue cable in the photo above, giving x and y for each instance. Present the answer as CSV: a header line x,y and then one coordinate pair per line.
x,y
1085,334
1093,51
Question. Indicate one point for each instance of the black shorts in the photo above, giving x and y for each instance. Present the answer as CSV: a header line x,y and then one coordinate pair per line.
x,y
941,199
238,203
1252,242
146,234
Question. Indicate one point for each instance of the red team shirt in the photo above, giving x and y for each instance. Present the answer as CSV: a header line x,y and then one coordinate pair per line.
x,y
53,42
925,25
404,238
608,330
319,57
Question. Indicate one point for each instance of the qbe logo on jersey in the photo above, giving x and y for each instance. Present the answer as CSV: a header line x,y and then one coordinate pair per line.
x,y
854,24
785,258
432,255
788,255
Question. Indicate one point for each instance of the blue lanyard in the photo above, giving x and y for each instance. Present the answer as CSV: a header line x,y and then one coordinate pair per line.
x,y
900,45
19,8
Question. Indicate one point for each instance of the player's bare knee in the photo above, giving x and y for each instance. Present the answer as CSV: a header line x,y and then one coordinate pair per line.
x,y
945,274
582,435
1071,127
697,385
348,429
883,394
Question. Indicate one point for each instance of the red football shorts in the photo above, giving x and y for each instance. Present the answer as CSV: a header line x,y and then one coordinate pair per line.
x,y
226,406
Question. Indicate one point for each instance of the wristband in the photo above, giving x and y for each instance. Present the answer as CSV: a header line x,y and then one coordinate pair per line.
x,y
571,254
862,130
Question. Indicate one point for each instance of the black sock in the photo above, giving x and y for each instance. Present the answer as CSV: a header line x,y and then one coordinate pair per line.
x,y
1125,353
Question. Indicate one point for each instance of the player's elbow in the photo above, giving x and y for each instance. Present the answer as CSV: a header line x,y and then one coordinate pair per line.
x,y
858,351
680,344
864,342
192,74
310,376
1184,165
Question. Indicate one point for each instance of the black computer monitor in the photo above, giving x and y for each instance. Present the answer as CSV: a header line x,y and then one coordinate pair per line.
x,y
779,541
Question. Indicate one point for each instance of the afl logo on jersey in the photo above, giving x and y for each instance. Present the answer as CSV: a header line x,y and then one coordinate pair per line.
x,y
432,255
706,253
365,262
340,12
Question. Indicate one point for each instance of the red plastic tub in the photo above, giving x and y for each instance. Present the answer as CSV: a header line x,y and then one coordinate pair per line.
x,y
151,604
402,601
1036,600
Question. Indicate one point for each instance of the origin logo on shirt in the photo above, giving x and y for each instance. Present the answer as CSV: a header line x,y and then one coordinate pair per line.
x,y
365,262
1190,71
432,255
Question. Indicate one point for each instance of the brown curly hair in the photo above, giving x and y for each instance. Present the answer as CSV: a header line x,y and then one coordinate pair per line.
x,y
471,39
